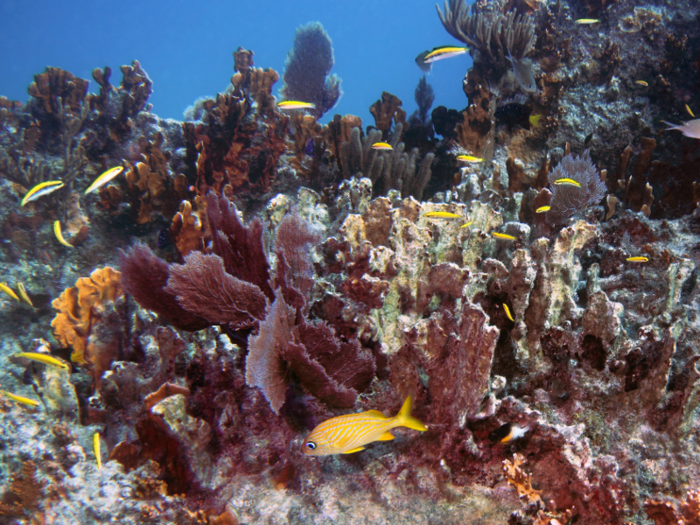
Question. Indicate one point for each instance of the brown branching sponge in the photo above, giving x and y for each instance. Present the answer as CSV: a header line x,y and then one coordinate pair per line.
x,y
568,200
492,34
307,67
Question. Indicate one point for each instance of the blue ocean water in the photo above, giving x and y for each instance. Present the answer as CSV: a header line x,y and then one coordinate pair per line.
x,y
186,47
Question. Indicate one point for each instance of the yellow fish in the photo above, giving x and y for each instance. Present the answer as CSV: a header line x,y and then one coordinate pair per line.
x,y
466,224
690,112
383,146
642,83
348,434
567,182
41,189
638,258
295,104
20,399
441,52
543,209
534,120
441,215
96,446
469,159
587,21
104,178
59,234
44,358
9,291
507,311
23,294
503,236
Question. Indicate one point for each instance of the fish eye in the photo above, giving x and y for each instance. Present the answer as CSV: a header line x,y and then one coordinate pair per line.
x,y
310,445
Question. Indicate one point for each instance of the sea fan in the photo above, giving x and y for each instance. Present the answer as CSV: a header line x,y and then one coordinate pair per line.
x,y
568,200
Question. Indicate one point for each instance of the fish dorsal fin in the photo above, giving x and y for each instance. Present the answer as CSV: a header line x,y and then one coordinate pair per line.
x,y
386,436
375,413
354,450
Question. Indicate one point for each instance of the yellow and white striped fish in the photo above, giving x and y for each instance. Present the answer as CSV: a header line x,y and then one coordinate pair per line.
x,y
348,434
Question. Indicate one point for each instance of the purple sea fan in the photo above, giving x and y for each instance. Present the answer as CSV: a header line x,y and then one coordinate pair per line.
x,y
568,200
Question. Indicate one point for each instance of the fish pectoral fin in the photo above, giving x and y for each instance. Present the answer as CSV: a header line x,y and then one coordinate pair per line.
x,y
354,450
386,436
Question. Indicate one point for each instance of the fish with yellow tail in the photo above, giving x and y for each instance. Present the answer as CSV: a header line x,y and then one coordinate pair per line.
x,y
104,179
59,234
20,399
45,358
40,190
9,291
96,446
350,433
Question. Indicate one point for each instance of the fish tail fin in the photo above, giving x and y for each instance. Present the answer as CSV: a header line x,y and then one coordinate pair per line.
x,y
672,126
405,419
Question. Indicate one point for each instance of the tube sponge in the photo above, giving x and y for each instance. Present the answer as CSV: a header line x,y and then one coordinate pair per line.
x,y
306,70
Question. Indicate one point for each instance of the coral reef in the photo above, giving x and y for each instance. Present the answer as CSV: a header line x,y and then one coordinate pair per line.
x,y
524,267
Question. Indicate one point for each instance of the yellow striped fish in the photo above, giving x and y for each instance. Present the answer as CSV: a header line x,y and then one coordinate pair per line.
x,y
441,215
96,446
41,189
59,234
348,434
295,104
382,146
24,295
104,178
9,291
567,182
20,399
45,358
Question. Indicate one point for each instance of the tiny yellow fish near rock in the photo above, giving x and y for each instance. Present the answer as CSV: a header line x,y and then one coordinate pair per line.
x,y
24,295
567,182
543,209
382,146
44,358
59,234
20,399
348,434
466,224
587,21
41,189
295,104
104,178
638,258
9,291
469,159
507,311
502,236
690,111
96,446
642,83
507,433
441,215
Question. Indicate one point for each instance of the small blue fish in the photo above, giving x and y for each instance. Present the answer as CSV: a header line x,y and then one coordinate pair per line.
x,y
164,239
309,148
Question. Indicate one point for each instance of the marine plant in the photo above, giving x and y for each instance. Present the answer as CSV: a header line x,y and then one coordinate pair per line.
x,y
307,67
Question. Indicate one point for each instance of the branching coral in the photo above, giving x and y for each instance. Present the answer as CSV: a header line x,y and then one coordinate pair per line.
x,y
493,34
307,67
229,150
